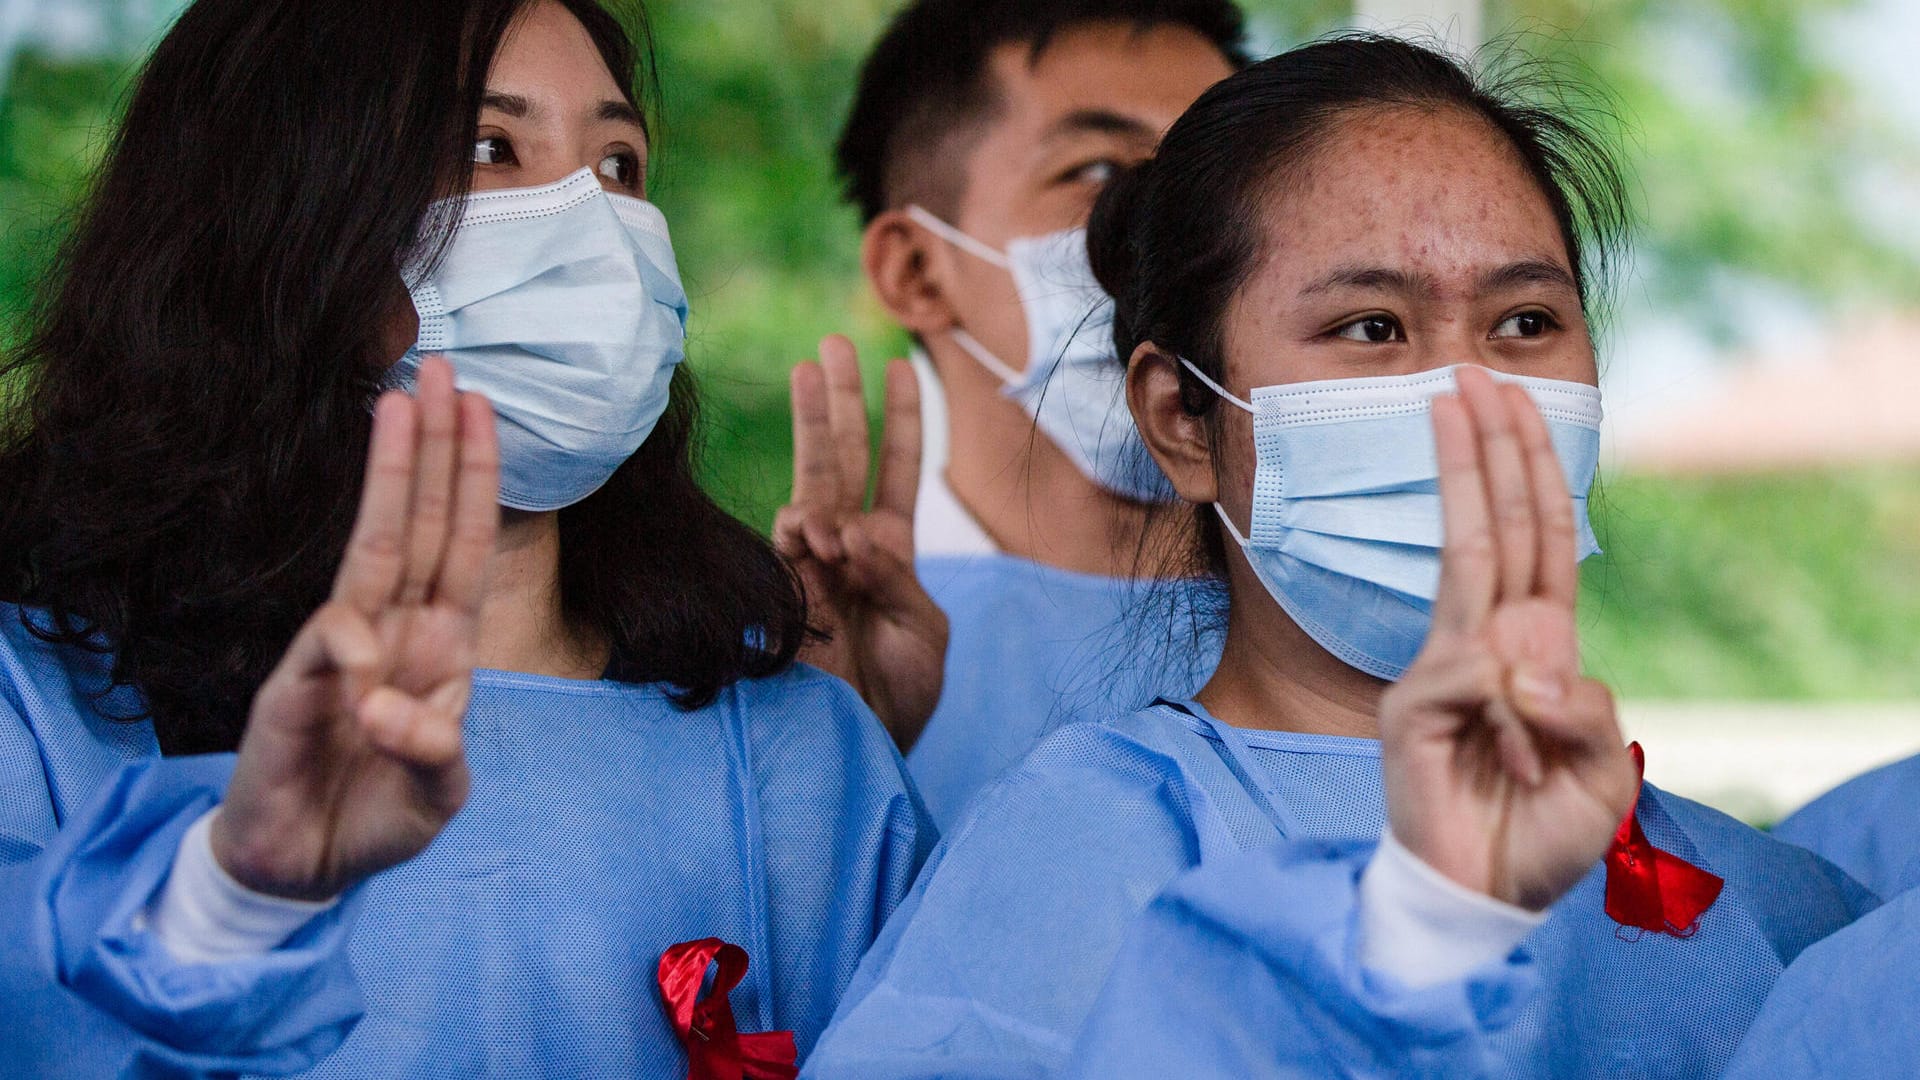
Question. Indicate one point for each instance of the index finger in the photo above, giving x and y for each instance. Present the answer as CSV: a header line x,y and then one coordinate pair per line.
x,y
816,471
1467,559
847,418
899,484
370,571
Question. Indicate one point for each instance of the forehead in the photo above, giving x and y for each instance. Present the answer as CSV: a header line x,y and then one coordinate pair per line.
x,y
547,48
1433,191
1149,73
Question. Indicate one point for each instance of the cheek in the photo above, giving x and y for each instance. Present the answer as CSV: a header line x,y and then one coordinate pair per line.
x,y
1234,458
400,328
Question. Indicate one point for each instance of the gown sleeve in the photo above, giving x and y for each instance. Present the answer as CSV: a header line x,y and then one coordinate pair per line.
x,y
1865,826
989,967
1845,1007
87,991
1214,982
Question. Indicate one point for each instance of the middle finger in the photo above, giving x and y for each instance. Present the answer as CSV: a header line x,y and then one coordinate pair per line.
x,y
1509,494
433,479
847,415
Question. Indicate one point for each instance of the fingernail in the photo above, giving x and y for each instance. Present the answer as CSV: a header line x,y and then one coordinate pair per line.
x,y
1539,687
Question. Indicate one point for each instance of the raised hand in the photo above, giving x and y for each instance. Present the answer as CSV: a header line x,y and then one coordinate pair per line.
x,y
886,635
1505,769
352,759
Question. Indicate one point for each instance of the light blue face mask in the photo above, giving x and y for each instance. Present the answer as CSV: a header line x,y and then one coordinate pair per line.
x,y
562,304
1346,527
1073,387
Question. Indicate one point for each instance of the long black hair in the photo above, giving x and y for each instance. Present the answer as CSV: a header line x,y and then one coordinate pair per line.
x,y
1174,239
188,419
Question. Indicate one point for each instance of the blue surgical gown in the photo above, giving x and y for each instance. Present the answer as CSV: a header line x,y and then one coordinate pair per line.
x,y
994,962
1033,647
604,825
1848,1007
1868,826
1214,981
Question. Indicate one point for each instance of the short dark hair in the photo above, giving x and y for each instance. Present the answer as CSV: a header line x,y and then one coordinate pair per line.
x,y
927,81
188,423
1173,239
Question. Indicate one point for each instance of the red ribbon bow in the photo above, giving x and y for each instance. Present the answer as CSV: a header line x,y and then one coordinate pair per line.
x,y
715,1048
1651,889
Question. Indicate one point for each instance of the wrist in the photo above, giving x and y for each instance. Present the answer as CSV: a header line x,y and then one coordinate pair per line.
x,y
257,863
202,915
1422,927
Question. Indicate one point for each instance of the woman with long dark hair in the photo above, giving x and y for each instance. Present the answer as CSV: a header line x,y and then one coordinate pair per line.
x,y
1353,287
311,208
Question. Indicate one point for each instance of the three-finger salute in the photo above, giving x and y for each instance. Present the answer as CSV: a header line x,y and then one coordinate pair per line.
x,y
886,636
1505,768
352,759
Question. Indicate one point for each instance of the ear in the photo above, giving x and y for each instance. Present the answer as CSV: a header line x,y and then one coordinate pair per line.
x,y
907,268
1178,440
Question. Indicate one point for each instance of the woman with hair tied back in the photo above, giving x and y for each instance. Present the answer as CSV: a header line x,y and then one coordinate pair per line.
x,y
1352,287
526,667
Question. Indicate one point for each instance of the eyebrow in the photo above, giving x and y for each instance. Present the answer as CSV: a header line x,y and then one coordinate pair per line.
x,y
1370,278
1385,279
1528,272
611,110
1098,121
619,112
512,104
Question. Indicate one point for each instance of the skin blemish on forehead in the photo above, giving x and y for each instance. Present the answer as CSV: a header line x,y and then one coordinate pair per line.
x,y
1427,224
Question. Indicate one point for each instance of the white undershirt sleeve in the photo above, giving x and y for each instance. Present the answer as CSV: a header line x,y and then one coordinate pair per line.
x,y
1421,928
203,916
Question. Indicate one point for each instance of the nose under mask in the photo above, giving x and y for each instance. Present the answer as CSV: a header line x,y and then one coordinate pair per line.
x,y
562,304
1073,386
1346,526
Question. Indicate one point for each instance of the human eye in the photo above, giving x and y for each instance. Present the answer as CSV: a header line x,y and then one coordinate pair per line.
x,y
493,150
1097,172
1532,323
623,168
1372,330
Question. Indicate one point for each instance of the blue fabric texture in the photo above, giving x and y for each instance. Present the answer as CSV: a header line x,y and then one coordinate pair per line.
x,y
995,960
85,992
1846,1007
1211,981
1033,648
1868,826
603,826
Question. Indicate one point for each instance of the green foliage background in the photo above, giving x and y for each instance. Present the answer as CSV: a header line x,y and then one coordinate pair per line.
x,y
1804,586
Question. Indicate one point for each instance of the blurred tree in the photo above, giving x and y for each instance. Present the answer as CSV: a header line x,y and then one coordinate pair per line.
x,y
1748,144
1754,150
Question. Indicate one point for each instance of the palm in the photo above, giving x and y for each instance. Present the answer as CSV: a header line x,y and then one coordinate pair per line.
x,y
1504,767
352,760
884,634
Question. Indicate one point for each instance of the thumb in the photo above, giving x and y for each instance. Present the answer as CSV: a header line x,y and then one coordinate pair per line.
x,y
337,640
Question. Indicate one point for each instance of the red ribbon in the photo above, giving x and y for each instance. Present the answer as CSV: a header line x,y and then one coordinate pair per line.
x,y
1650,889
715,1048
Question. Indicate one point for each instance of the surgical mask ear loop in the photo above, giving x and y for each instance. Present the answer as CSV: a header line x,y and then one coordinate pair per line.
x,y
999,368
1224,393
1232,529
958,239
1228,395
